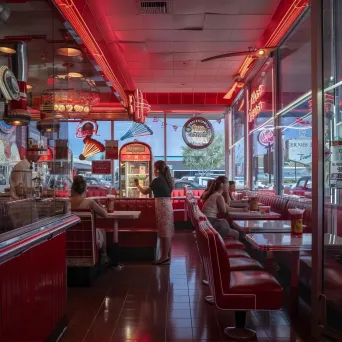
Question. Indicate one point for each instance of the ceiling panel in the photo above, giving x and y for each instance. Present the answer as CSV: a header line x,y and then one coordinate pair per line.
x,y
163,52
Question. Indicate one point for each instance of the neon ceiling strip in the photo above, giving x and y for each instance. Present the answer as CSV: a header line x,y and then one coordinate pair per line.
x,y
70,11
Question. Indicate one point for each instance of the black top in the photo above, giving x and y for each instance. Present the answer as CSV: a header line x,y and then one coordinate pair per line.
x,y
160,187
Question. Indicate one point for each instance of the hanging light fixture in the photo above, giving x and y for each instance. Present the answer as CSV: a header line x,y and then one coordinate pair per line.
x,y
48,125
69,52
17,117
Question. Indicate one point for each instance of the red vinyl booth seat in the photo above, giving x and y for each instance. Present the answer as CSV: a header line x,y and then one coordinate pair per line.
x,y
237,290
133,233
81,246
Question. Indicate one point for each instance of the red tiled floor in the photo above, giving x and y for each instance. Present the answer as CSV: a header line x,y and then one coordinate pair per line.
x,y
160,303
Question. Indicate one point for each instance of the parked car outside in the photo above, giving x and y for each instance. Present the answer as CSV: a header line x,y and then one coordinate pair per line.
x,y
180,184
304,185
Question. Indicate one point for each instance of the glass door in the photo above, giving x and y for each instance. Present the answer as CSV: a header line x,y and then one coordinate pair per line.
x,y
327,170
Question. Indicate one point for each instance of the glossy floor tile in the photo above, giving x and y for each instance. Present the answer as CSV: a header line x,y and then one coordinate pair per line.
x,y
162,303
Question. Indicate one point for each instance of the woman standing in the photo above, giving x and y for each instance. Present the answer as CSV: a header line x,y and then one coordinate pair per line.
x,y
162,187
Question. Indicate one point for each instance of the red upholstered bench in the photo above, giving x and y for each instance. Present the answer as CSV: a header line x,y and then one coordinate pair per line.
x,y
238,291
137,238
81,249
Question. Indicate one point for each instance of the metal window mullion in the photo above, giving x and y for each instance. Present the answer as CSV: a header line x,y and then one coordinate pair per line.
x,y
278,149
317,69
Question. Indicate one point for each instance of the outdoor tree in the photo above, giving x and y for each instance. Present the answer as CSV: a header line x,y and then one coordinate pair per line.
x,y
207,159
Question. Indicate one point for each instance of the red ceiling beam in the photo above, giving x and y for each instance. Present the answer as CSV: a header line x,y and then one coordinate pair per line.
x,y
186,99
287,12
82,19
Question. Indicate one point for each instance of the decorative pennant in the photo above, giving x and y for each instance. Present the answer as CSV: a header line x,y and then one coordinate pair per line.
x,y
155,119
163,124
175,127
218,121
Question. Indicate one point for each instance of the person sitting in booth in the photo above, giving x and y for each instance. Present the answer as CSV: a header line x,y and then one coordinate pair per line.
x,y
207,189
214,204
229,195
79,201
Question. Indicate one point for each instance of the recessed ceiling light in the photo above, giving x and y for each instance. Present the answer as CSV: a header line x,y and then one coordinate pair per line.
x,y
29,87
261,52
68,51
75,75
7,50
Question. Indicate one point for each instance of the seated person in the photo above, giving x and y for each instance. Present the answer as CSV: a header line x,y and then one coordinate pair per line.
x,y
206,191
79,201
215,204
229,195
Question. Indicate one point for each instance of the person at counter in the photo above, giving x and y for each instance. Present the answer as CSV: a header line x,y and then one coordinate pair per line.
x,y
21,178
79,201
214,204
162,187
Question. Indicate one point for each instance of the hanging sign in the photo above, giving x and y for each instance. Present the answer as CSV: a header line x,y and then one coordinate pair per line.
x,y
101,167
299,150
266,137
62,151
336,160
112,149
86,129
198,133
255,103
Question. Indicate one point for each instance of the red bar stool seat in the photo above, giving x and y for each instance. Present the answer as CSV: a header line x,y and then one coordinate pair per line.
x,y
244,264
233,244
237,291
237,253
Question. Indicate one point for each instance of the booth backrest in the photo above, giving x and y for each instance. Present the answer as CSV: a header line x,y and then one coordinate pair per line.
x,y
215,256
146,220
97,191
81,246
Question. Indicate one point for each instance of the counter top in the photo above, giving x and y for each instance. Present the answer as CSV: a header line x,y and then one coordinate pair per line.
x,y
19,240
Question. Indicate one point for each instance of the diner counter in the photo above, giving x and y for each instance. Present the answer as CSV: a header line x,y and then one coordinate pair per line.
x,y
33,280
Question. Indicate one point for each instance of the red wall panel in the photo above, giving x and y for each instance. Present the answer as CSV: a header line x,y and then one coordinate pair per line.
x,y
33,292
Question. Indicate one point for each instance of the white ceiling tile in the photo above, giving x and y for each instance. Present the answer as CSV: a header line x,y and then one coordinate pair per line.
x,y
234,65
186,72
158,35
142,79
211,65
126,22
162,73
237,22
133,48
185,65
130,36
225,47
138,65
116,7
182,22
193,56
258,7
204,72
223,6
140,73
161,65
216,35
161,57
157,22
187,36
189,6
246,35
204,55
186,46
159,47
146,87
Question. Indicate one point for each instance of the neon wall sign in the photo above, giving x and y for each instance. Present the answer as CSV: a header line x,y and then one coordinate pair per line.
x,y
255,103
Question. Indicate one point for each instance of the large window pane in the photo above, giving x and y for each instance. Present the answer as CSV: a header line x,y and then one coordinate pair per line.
x,y
194,167
260,117
238,149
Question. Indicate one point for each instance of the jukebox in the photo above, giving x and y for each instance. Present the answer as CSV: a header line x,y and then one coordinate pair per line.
x,y
135,162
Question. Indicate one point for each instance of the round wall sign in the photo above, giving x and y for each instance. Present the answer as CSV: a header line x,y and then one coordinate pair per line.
x,y
266,137
198,133
8,84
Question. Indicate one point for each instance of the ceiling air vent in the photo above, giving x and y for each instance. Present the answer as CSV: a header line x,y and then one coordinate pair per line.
x,y
154,7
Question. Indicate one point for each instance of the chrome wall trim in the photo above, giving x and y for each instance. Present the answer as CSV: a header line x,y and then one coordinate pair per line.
x,y
15,247
317,69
